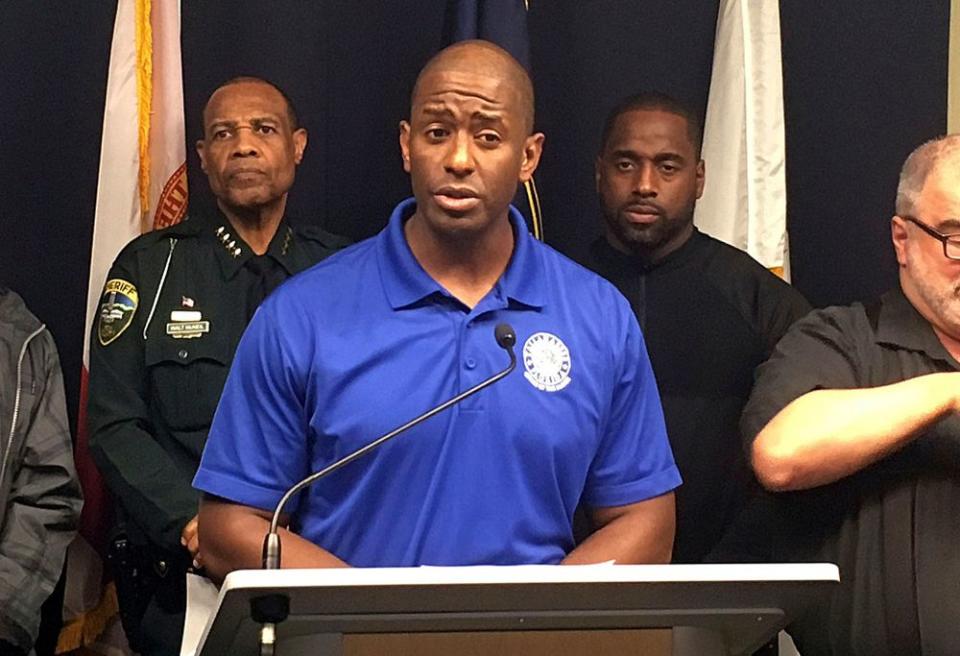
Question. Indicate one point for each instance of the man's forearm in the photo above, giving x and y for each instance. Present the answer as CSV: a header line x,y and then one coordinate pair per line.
x,y
155,493
826,435
154,490
635,534
231,537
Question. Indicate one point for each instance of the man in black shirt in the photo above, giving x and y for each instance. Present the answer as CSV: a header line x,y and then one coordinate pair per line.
x,y
709,313
855,418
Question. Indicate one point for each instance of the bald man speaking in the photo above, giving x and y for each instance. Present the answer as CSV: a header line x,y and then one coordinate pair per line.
x,y
405,320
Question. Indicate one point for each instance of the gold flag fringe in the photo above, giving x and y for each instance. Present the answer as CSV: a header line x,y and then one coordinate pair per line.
x,y
85,629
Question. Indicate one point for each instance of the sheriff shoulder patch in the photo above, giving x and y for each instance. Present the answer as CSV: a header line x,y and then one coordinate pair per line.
x,y
117,307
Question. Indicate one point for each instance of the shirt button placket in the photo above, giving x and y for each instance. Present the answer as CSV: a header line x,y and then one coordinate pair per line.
x,y
469,341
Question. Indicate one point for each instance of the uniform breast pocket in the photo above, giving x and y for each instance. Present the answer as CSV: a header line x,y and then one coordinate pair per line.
x,y
186,379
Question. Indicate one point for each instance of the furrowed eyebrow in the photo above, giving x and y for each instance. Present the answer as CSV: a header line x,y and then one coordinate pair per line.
x,y
484,117
437,110
949,224
446,112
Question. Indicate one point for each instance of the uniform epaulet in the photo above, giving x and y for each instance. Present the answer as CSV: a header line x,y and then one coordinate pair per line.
x,y
185,228
321,236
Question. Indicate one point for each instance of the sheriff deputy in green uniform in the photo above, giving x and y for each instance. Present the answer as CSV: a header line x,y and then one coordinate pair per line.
x,y
174,306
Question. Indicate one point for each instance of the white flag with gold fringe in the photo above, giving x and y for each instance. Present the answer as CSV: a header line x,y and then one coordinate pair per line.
x,y
142,185
744,200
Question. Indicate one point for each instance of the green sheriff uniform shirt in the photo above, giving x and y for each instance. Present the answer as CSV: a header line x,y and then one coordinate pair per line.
x,y
173,309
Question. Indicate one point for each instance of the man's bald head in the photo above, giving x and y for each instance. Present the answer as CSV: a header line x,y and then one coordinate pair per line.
x,y
483,58
924,162
469,141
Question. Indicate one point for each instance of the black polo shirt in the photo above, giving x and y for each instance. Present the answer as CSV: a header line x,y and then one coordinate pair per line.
x,y
709,314
894,527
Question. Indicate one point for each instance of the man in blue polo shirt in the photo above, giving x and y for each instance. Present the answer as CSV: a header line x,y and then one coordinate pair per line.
x,y
397,324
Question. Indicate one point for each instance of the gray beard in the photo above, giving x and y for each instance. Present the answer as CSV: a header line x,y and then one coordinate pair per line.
x,y
945,304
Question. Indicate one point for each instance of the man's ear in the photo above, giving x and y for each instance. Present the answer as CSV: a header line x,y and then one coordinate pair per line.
x,y
405,144
200,153
299,144
532,149
898,233
701,177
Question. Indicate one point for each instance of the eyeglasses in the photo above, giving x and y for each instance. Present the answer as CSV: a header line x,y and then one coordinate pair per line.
x,y
951,243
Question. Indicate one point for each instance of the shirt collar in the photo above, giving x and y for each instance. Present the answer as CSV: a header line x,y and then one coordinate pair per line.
x,y
405,282
900,324
233,252
614,260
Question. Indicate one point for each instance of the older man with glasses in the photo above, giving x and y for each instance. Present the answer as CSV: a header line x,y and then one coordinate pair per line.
x,y
856,417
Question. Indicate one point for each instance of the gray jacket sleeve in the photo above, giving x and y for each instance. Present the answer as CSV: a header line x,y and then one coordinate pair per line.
x,y
42,510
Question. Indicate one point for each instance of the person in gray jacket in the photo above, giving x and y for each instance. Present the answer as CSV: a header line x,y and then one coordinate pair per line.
x,y
40,497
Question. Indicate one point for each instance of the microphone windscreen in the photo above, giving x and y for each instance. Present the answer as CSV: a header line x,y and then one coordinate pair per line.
x,y
506,338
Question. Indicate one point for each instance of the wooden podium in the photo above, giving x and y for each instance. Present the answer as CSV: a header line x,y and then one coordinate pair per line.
x,y
648,609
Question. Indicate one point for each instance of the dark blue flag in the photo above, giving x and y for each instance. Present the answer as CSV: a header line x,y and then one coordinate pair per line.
x,y
503,22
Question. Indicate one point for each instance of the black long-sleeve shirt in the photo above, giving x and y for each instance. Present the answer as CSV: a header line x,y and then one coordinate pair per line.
x,y
709,314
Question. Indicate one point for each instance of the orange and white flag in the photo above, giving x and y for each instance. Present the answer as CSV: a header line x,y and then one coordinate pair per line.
x,y
142,185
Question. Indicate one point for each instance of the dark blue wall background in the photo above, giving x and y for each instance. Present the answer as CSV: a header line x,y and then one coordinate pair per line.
x,y
864,83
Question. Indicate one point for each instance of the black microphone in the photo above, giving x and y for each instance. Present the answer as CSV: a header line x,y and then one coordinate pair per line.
x,y
506,338
270,610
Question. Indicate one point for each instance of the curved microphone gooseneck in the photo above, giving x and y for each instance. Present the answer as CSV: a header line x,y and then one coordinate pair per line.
x,y
271,610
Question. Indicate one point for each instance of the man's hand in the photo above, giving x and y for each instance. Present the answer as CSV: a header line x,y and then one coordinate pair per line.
x,y
190,539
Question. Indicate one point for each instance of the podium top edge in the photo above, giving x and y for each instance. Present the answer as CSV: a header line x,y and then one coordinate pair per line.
x,y
532,574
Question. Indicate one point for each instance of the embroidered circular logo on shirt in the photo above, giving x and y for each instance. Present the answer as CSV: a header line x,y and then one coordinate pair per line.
x,y
547,362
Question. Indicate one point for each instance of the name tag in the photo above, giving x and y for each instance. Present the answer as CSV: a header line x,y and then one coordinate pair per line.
x,y
187,330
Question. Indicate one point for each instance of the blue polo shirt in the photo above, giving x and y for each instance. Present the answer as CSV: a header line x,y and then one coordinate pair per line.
x,y
366,340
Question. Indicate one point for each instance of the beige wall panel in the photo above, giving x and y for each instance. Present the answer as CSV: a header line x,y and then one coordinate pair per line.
x,y
647,642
